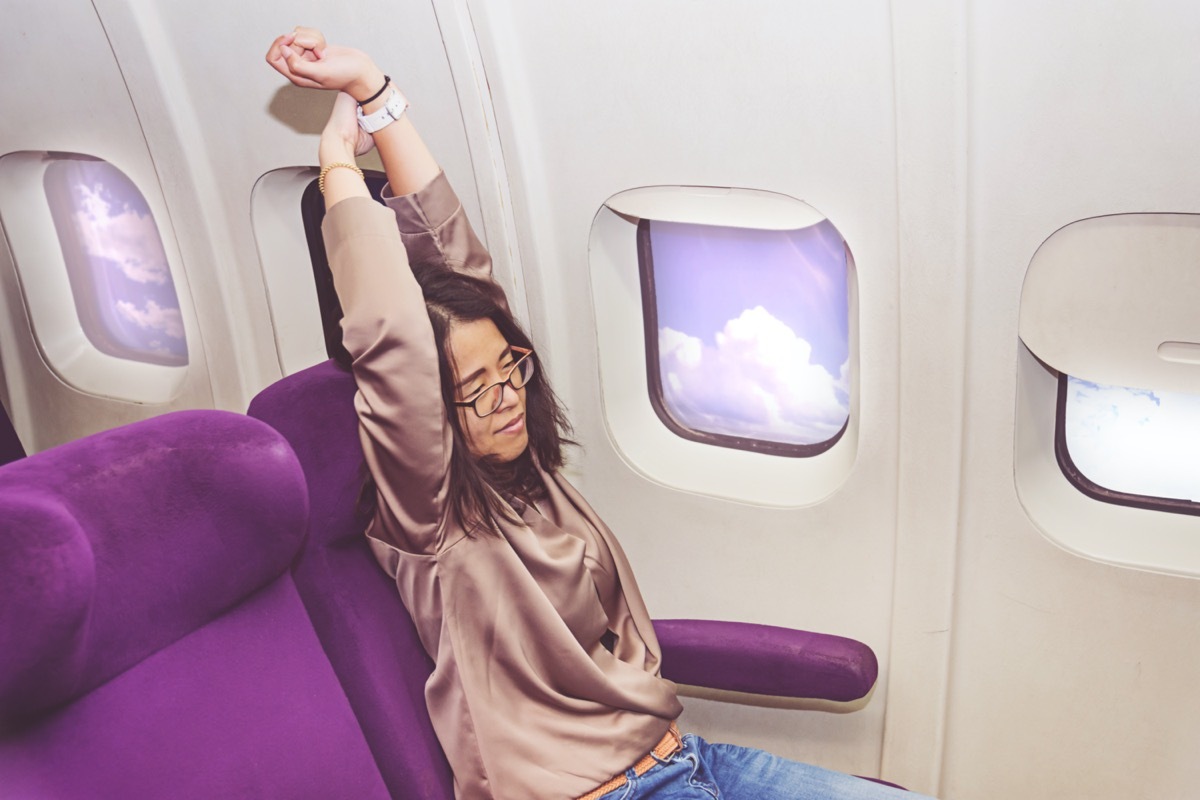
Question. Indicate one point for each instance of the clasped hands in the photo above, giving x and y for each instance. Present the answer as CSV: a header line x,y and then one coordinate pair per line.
x,y
307,60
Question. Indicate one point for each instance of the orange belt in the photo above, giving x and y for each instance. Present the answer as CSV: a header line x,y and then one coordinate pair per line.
x,y
669,745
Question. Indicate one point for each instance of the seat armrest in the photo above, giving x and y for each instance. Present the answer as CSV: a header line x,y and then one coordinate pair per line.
x,y
767,665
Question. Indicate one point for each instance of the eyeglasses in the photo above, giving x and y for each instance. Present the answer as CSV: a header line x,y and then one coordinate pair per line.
x,y
488,401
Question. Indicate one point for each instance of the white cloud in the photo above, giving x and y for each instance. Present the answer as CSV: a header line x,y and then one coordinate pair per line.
x,y
127,239
684,349
153,317
755,381
843,381
1131,440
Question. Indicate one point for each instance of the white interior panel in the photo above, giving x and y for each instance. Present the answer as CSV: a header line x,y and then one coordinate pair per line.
x,y
591,103
102,123
929,42
635,429
1103,295
715,205
217,124
287,267
49,298
1070,678
1099,301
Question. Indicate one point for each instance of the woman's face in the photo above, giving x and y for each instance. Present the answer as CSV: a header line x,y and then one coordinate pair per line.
x,y
482,357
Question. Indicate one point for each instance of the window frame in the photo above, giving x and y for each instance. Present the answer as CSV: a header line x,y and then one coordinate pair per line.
x,y
47,300
654,375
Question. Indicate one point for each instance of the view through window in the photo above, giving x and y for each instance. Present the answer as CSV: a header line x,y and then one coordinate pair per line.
x,y
748,334
122,286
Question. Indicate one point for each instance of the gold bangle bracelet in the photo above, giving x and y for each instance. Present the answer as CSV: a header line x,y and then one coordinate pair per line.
x,y
335,165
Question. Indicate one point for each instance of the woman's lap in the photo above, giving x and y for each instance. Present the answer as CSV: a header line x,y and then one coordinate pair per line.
x,y
703,771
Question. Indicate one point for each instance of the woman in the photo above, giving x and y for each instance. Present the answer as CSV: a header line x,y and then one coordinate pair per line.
x,y
546,680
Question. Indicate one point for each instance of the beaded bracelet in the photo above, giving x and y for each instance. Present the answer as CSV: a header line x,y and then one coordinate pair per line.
x,y
335,165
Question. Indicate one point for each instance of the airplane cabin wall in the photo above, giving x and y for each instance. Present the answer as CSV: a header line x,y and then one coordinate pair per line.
x,y
793,101
225,120
1070,678
945,140
182,101
71,97
1012,668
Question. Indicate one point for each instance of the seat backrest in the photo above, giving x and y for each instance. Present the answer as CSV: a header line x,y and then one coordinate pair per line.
x,y
363,625
10,446
153,642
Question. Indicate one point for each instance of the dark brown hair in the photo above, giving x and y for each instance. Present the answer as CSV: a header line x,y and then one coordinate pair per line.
x,y
480,488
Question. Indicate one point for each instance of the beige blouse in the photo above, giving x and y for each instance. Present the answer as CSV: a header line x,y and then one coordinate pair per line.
x,y
526,700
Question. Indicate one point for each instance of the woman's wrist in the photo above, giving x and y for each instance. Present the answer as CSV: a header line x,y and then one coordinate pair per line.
x,y
367,85
334,152
339,136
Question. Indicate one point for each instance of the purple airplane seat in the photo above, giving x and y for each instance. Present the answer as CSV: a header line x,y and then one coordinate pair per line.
x,y
357,612
153,641
373,645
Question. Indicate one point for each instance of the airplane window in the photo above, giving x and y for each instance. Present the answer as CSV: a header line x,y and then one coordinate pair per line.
x,y
1130,446
118,272
1107,422
747,334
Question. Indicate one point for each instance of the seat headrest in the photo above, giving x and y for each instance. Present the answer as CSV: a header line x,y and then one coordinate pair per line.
x,y
314,410
116,545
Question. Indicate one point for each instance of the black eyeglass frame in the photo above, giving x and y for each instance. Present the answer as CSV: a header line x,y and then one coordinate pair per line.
x,y
526,356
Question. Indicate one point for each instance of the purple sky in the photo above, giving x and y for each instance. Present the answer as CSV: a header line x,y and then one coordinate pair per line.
x,y
707,275
753,329
116,262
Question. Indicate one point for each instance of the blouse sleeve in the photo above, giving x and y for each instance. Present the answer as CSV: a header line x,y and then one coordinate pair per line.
x,y
436,231
402,422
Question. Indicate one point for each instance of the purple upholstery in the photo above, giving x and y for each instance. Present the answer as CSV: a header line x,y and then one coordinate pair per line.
x,y
765,660
153,641
366,631
373,646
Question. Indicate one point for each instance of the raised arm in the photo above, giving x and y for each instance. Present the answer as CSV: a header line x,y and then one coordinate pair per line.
x,y
430,217
405,435
306,59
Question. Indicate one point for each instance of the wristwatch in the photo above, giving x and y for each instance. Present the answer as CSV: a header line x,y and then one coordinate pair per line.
x,y
391,111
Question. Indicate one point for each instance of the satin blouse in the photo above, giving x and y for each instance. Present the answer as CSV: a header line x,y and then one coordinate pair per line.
x,y
527,698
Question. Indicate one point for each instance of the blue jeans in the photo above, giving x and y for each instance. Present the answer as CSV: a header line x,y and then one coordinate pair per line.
x,y
703,771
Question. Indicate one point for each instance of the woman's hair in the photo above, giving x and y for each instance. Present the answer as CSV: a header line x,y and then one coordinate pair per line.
x,y
479,487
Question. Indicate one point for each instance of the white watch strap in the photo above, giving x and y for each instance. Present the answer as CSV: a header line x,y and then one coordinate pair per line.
x,y
391,111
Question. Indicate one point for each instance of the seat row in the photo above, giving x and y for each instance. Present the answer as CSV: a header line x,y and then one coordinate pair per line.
x,y
189,609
